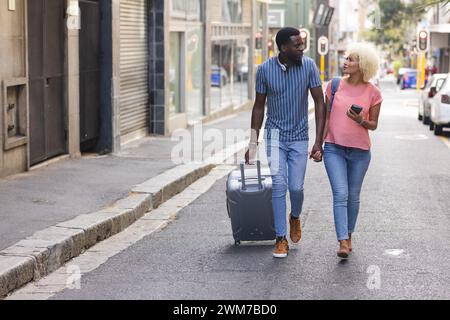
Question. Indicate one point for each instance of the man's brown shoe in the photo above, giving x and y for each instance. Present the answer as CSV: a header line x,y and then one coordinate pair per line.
x,y
281,249
296,229
343,249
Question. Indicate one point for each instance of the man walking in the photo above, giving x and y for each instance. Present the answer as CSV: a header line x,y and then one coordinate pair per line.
x,y
284,82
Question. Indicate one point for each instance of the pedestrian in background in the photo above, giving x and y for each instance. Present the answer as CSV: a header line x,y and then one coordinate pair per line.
x,y
347,149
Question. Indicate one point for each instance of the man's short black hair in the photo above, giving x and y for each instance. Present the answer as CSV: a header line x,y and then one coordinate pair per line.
x,y
284,36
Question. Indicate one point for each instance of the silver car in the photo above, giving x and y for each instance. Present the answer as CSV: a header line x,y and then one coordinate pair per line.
x,y
440,109
433,86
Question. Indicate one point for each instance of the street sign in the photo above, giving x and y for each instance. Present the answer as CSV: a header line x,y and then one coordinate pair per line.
x,y
304,34
323,15
423,41
323,46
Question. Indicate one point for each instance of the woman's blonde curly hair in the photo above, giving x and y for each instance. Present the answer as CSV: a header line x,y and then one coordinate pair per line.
x,y
368,59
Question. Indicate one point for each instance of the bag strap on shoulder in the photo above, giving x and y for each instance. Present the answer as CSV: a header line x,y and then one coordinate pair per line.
x,y
334,87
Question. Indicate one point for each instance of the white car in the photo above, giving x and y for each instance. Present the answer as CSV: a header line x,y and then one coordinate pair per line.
x,y
440,108
433,86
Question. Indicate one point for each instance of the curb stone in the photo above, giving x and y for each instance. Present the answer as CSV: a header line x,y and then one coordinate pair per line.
x,y
47,250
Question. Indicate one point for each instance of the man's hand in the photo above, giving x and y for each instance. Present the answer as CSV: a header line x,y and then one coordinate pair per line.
x,y
316,153
250,155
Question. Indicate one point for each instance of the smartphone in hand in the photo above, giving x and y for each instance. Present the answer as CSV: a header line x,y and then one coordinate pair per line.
x,y
357,109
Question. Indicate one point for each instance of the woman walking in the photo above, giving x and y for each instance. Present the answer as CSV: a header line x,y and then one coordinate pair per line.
x,y
353,105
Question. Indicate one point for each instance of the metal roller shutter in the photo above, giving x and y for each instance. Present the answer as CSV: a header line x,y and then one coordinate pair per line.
x,y
134,97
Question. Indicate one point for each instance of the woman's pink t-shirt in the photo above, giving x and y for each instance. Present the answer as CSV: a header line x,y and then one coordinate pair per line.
x,y
341,129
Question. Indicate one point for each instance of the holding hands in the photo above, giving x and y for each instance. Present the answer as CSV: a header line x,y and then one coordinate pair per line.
x,y
316,153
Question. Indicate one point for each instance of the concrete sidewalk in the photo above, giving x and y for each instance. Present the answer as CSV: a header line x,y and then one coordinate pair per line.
x,y
45,197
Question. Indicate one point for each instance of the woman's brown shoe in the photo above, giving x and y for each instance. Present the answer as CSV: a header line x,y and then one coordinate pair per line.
x,y
350,243
343,249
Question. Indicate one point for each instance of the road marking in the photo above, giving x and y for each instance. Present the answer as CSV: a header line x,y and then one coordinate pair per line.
x,y
394,252
446,141
412,137
411,103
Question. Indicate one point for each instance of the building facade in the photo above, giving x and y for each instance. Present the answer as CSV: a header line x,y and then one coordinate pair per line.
x,y
82,76
14,124
292,13
308,14
212,48
39,74
438,24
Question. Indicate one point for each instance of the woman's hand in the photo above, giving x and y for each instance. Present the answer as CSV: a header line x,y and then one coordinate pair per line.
x,y
354,116
317,157
316,153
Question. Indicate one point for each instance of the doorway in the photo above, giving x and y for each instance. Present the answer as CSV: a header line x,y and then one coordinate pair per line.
x,y
46,79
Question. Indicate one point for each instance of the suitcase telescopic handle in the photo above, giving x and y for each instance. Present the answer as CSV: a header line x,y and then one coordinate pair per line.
x,y
243,176
258,169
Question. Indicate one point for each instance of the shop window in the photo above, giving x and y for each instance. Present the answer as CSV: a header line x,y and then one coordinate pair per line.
x,y
194,74
176,55
218,77
229,73
241,72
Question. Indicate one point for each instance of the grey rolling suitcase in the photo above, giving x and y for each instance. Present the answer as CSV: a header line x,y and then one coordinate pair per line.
x,y
249,204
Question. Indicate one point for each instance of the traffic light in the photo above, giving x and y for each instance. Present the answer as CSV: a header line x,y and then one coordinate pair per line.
x,y
304,34
423,41
323,46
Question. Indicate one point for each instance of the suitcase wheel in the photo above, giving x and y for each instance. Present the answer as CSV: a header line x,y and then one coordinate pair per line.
x,y
237,242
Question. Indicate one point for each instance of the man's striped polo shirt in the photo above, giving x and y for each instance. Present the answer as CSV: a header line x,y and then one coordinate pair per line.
x,y
287,97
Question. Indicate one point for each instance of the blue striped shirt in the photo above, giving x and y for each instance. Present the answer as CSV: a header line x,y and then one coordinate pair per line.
x,y
287,98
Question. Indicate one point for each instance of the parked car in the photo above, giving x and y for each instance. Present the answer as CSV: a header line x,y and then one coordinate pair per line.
x,y
440,108
219,76
409,80
428,92
401,72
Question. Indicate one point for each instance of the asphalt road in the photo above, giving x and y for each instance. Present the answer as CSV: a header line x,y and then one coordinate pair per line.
x,y
401,247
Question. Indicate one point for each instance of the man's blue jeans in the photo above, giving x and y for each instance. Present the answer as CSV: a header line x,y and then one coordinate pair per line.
x,y
346,168
287,162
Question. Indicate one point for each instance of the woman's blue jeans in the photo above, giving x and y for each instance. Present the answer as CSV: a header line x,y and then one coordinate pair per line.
x,y
346,168
287,162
